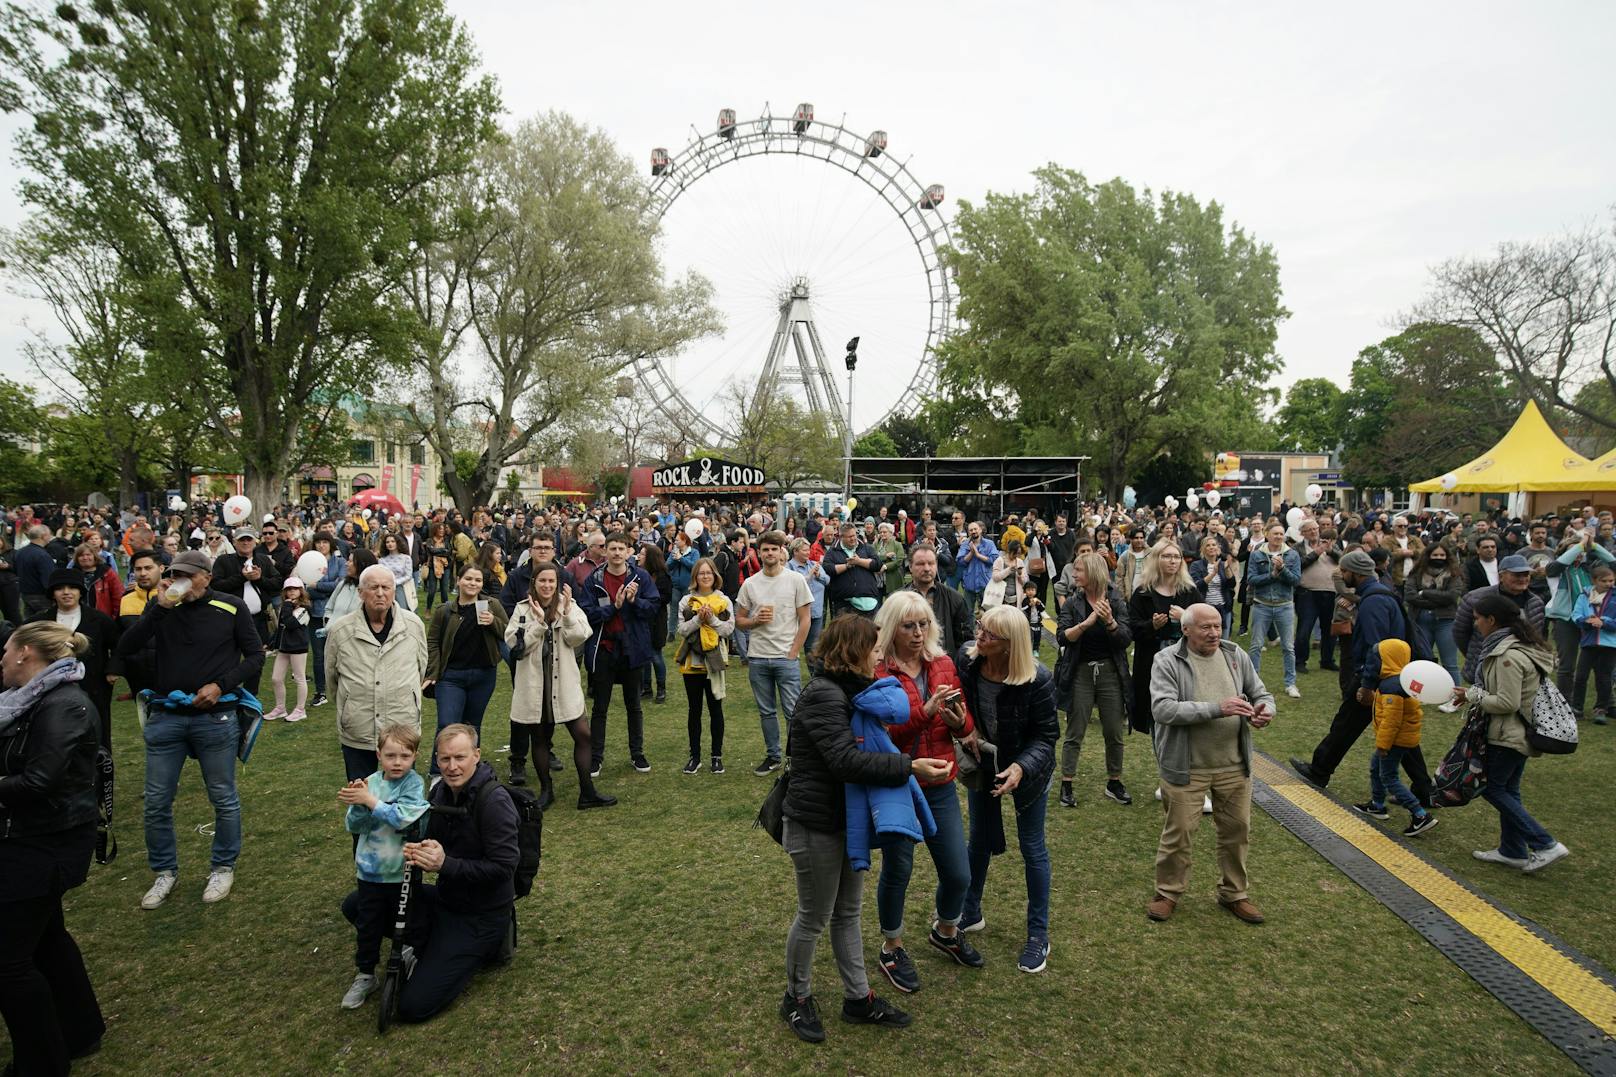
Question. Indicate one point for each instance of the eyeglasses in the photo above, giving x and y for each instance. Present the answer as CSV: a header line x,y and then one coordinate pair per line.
x,y
914,626
989,637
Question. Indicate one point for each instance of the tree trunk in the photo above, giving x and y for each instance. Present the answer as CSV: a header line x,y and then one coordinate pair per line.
x,y
263,490
128,477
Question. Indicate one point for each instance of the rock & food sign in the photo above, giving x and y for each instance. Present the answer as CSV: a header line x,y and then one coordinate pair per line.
x,y
707,475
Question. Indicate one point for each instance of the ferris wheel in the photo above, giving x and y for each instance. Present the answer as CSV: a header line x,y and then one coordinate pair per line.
x,y
799,252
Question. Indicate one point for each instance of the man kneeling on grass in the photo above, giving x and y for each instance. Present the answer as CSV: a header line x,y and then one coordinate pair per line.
x,y
1206,699
467,920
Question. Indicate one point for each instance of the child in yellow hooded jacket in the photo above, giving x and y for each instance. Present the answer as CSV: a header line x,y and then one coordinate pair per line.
x,y
1397,730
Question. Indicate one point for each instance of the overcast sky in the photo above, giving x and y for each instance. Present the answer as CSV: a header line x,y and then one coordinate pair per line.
x,y
1365,143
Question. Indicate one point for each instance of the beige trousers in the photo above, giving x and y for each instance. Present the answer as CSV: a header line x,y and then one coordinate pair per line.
x,y
1231,814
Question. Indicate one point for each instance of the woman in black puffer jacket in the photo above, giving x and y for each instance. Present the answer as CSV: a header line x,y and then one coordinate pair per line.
x,y
825,757
49,733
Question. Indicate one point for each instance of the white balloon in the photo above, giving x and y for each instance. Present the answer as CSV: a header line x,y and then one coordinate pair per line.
x,y
1170,501
366,514
1192,500
1213,497
1295,517
1427,682
693,528
310,567
1257,475
1315,493
269,517
1449,481
236,510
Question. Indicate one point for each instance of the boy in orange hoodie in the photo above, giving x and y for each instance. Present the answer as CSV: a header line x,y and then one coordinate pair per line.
x,y
1397,729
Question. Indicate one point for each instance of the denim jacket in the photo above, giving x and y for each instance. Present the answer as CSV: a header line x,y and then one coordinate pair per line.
x,y
1265,585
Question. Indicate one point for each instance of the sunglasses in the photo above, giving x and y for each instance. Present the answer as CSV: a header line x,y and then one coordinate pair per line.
x,y
173,574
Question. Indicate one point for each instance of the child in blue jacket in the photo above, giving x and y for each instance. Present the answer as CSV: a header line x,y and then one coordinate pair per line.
x,y
381,808
1595,614
879,815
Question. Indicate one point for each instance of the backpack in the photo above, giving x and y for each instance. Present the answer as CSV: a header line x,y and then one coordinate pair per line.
x,y
529,832
1552,727
1462,774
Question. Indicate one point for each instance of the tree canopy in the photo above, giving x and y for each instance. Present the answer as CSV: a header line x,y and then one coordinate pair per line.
x,y
258,170
1421,403
1121,323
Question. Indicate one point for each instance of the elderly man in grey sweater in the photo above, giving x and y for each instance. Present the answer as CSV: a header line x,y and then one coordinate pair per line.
x,y
1206,698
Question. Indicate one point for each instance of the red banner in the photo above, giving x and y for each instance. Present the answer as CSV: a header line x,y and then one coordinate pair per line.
x,y
387,478
415,480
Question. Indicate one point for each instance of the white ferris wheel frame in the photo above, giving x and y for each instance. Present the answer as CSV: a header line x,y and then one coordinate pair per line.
x,y
834,144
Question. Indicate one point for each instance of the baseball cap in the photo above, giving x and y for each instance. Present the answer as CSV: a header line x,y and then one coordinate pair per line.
x,y
292,584
244,532
187,562
1514,563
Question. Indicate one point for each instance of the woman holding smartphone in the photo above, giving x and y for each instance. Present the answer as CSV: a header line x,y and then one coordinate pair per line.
x,y
908,641
462,653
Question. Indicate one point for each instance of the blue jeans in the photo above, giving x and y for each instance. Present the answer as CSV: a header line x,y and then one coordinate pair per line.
x,y
947,848
675,600
212,739
1384,781
815,625
1438,639
1034,855
462,696
767,675
1518,833
1283,621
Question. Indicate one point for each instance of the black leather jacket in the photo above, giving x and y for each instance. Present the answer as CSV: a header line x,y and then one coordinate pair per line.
x,y
47,765
825,755
1028,726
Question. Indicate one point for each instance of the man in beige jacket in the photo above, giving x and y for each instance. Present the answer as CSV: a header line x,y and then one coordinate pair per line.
x,y
375,660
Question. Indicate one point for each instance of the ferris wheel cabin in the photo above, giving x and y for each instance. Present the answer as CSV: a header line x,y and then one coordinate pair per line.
x,y
876,144
660,161
802,118
726,123
933,197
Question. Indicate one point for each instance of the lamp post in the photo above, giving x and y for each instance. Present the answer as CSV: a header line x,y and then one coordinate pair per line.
x,y
847,428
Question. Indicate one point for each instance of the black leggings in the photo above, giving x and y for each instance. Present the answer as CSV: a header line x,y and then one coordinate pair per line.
x,y
49,1006
696,686
540,736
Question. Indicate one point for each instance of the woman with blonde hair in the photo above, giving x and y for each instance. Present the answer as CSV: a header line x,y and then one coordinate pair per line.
x,y
49,734
1165,590
1093,634
908,643
1010,696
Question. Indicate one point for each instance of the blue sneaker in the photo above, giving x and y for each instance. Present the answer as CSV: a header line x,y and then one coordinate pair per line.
x,y
1034,956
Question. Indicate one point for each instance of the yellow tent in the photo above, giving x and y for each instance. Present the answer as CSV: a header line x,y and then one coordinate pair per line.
x,y
1531,457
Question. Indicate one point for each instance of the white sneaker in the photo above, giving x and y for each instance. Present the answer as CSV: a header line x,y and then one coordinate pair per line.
x,y
297,715
1544,857
362,986
1293,691
1158,792
1493,856
1206,805
160,889
1449,707
278,712
219,883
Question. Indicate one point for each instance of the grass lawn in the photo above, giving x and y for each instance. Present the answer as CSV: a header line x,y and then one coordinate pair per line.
x,y
654,940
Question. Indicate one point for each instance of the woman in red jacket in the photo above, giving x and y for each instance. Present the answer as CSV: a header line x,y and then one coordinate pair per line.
x,y
102,587
937,714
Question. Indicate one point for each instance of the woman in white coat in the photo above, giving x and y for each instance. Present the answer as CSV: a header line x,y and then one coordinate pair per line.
x,y
544,634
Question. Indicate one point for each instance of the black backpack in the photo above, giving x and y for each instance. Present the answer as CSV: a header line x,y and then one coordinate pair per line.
x,y
529,832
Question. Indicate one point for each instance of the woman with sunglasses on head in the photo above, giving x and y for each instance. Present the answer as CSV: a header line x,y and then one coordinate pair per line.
x,y
908,644
1010,696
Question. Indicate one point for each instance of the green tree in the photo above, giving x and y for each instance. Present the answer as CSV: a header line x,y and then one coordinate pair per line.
x,y
914,436
258,168
790,443
22,425
549,264
876,442
1117,321
611,483
1312,418
1421,403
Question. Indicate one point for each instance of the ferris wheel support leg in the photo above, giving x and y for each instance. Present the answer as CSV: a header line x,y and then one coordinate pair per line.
x,y
771,366
806,371
833,396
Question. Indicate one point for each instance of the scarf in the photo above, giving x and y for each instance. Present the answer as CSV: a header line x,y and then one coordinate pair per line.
x,y
16,702
1472,668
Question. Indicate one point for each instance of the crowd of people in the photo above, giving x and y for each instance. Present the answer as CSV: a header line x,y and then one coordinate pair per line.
x,y
940,652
